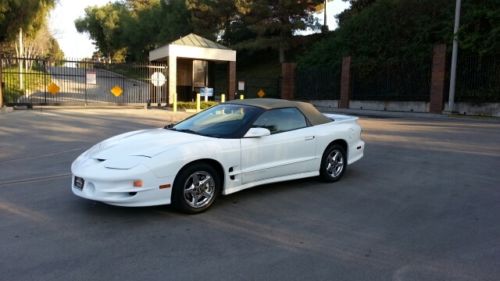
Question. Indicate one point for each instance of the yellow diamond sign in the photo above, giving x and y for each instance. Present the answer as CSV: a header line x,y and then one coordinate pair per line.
x,y
261,93
116,91
53,88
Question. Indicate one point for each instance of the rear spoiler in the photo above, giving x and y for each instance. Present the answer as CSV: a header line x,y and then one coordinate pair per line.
x,y
340,117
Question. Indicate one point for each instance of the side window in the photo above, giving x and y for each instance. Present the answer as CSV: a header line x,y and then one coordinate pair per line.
x,y
281,120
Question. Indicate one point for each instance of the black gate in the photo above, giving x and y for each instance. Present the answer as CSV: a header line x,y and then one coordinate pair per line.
x,y
268,87
77,82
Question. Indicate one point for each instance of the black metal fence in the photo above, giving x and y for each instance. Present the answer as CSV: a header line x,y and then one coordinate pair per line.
x,y
317,84
478,78
271,87
40,81
403,81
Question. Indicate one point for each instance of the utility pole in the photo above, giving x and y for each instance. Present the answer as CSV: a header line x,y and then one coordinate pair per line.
x,y
454,54
325,23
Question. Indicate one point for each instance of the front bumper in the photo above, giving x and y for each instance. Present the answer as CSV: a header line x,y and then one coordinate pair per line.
x,y
115,187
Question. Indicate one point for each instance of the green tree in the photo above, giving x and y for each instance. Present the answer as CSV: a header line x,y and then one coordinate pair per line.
x,y
216,19
376,32
26,14
480,27
129,30
18,15
275,22
149,25
386,31
253,24
104,26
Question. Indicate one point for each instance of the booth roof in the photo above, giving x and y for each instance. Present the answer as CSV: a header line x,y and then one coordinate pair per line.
x,y
198,41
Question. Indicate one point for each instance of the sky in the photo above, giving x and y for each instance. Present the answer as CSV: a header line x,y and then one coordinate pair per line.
x,y
62,25
77,45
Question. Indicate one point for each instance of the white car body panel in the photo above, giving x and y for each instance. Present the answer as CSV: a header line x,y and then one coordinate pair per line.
x,y
277,155
156,156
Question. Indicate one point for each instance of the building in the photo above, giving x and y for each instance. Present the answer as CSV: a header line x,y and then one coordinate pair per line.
x,y
192,60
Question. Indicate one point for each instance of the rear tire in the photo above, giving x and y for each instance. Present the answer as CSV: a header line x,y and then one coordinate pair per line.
x,y
195,188
333,163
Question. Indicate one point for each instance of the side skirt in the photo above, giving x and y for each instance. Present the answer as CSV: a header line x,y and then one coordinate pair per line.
x,y
272,180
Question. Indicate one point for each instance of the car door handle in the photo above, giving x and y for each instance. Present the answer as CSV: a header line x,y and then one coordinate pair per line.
x,y
309,138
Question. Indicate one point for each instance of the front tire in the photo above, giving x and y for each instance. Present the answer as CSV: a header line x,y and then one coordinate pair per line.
x,y
333,163
195,188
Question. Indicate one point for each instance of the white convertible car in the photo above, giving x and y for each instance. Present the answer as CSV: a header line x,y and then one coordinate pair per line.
x,y
222,150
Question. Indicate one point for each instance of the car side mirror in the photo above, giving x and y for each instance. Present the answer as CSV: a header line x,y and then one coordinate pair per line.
x,y
257,133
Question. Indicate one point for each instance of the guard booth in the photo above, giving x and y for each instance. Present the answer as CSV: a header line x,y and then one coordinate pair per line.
x,y
191,62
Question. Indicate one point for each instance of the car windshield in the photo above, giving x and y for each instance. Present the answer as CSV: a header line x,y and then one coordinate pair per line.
x,y
221,121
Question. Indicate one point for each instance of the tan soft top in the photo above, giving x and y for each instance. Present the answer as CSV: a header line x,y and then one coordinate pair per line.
x,y
311,113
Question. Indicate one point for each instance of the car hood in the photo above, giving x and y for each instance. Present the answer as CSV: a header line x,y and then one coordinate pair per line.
x,y
147,143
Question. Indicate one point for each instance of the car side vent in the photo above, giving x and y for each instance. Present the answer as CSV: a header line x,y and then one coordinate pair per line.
x,y
230,171
101,160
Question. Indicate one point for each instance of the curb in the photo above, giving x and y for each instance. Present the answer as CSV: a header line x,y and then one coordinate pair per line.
x,y
58,107
6,109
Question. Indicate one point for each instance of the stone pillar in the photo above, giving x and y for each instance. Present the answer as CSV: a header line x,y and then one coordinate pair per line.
x,y
231,80
288,80
438,78
172,78
345,83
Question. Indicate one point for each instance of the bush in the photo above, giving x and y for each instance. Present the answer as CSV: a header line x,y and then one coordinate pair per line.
x,y
192,105
10,95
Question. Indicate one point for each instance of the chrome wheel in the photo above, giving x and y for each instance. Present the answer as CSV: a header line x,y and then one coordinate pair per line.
x,y
199,189
335,163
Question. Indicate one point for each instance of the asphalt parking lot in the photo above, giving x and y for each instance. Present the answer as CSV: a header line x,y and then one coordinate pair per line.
x,y
424,204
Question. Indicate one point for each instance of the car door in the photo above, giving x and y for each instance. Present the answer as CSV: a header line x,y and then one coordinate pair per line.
x,y
290,149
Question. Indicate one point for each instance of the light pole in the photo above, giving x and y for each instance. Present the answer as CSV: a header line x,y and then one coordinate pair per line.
x,y
324,28
454,54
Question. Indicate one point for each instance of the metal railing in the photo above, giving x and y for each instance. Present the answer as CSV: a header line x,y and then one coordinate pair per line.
x,y
317,84
478,78
392,82
41,81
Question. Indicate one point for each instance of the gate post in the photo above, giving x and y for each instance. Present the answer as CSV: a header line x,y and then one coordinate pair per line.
x,y
231,79
438,78
288,80
345,83
45,70
85,73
